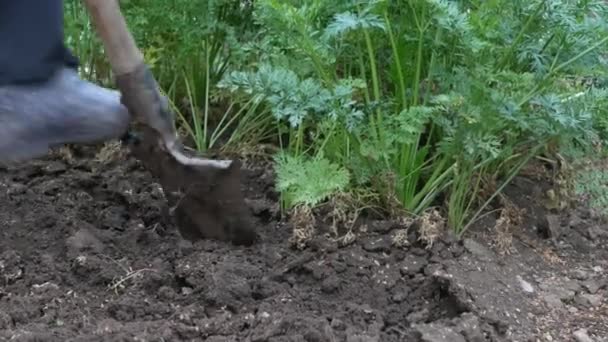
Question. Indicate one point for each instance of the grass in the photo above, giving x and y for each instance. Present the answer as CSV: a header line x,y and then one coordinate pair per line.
x,y
418,102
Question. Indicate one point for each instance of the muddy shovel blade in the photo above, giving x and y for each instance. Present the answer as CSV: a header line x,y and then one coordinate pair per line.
x,y
206,202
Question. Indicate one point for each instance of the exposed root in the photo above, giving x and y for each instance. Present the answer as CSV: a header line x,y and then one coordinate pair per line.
x,y
347,239
562,194
345,208
65,154
399,238
120,283
344,212
394,206
303,222
431,225
503,238
341,213
564,183
111,150
510,218
389,200
551,257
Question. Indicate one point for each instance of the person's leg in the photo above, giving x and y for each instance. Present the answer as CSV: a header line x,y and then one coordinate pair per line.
x,y
67,109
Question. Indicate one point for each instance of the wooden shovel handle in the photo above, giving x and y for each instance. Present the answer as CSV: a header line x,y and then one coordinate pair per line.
x,y
111,27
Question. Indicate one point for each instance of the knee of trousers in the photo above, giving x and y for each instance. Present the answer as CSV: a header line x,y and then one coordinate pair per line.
x,y
66,109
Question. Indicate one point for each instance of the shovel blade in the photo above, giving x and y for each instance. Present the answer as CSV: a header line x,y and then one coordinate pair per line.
x,y
206,202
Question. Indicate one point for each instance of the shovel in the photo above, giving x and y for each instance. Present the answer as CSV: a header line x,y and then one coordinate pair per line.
x,y
204,195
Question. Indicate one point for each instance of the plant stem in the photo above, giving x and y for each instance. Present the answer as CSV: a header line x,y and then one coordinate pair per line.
x,y
418,69
512,175
207,86
520,35
397,58
540,84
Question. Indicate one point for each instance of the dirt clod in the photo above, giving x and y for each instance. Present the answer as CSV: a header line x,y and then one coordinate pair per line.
x,y
377,244
582,336
432,333
205,202
83,240
588,300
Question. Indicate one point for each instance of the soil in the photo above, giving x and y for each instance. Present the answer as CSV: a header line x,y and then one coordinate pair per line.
x,y
87,254
204,202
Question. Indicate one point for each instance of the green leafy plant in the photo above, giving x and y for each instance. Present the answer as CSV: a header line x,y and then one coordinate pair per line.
x,y
308,181
419,101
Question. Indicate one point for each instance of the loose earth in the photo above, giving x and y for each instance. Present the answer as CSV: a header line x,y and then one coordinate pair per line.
x,y
88,254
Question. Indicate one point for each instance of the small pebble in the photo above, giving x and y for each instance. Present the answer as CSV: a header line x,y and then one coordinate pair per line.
x,y
582,336
526,286
580,274
399,297
337,324
330,284
593,300
592,286
553,301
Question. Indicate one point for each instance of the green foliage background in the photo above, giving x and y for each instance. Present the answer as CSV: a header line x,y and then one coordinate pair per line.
x,y
429,100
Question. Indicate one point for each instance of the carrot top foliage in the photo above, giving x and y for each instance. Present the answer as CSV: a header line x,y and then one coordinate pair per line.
x,y
423,102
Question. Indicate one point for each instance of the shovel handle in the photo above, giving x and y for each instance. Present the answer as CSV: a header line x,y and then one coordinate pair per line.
x,y
123,54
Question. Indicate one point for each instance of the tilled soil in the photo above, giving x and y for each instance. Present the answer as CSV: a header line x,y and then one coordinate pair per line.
x,y
87,255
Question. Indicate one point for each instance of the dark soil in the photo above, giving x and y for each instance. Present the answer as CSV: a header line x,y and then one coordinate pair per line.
x,y
86,254
203,202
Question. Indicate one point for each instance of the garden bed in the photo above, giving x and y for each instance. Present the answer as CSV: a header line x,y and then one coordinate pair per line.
x,y
86,255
